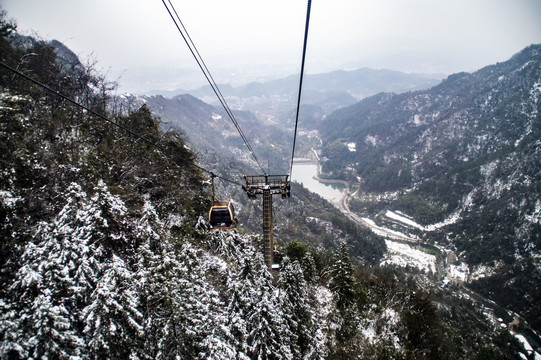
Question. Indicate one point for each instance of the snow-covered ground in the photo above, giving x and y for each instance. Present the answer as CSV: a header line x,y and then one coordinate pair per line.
x,y
481,271
381,325
403,255
527,347
458,272
403,219
7,199
387,233
399,253
408,222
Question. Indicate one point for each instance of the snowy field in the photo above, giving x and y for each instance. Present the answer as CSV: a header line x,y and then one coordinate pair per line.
x,y
528,348
457,273
403,255
381,231
403,219
409,222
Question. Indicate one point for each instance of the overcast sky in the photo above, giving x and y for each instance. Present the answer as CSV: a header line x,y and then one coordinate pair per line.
x,y
437,36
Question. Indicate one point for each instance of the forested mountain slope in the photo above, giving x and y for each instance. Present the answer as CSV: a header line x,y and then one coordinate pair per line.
x,y
462,159
208,127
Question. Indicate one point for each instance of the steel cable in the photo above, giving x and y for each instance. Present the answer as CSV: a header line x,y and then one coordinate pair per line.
x,y
300,84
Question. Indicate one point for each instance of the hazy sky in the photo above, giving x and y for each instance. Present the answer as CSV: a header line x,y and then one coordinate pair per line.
x,y
248,36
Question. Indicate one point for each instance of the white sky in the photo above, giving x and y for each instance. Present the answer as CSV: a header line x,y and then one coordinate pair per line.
x,y
443,36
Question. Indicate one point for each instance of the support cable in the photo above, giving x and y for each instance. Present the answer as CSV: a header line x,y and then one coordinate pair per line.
x,y
300,84
161,148
197,56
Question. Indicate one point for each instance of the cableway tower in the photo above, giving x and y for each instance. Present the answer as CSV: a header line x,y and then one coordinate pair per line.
x,y
267,185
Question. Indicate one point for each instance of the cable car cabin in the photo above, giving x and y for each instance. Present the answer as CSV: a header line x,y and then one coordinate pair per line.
x,y
221,215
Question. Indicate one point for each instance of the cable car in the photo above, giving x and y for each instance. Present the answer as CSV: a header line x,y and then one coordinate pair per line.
x,y
222,215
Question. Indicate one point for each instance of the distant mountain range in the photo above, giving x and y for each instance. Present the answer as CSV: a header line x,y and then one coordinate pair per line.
x,y
271,106
358,83
328,91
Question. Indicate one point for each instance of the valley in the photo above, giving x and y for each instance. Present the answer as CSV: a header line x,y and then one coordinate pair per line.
x,y
403,247
421,231
438,265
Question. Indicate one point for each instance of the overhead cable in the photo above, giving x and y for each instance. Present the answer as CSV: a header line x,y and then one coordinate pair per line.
x,y
123,128
197,56
300,84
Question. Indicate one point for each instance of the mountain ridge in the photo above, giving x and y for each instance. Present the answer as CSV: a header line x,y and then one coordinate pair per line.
x,y
361,83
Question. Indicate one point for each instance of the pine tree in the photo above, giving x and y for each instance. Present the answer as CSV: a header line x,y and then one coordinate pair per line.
x,y
185,316
256,317
50,284
298,303
146,261
113,319
60,267
342,283
343,287
201,311
423,333
161,297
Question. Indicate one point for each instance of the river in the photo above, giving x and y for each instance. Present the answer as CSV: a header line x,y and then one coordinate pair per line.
x,y
305,174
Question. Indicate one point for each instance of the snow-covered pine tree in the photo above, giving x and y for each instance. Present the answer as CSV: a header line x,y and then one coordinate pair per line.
x,y
113,320
146,262
345,294
185,316
58,273
201,310
256,317
50,284
342,283
299,306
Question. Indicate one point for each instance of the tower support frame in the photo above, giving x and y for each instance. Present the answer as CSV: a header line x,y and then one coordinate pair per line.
x,y
267,185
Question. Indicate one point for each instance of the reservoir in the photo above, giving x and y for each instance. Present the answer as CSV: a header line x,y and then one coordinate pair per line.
x,y
305,173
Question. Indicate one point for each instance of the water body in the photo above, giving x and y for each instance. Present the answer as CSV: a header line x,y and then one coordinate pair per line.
x,y
305,173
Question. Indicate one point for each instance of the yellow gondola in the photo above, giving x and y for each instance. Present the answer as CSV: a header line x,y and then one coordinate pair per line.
x,y
222,215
